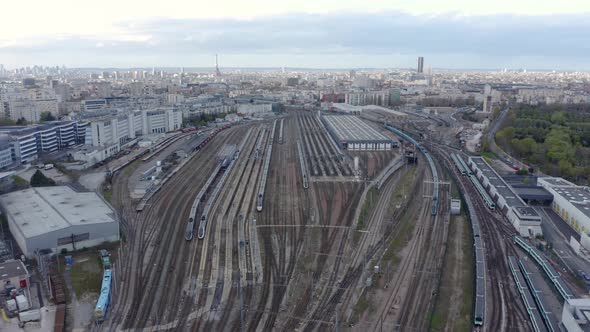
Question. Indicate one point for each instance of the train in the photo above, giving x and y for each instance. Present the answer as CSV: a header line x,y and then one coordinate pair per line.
x,y
281,137
435,179
466,171
262,184
226,168
259,201
104,300
202,226
190,229
210,137
482,191
563,290
480,268
212,198
302,165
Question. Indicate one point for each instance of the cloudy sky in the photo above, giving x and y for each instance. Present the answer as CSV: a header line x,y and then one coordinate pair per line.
x,y
543,34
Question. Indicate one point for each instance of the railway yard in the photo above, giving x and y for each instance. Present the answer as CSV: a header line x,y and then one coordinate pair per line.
x,y
275,225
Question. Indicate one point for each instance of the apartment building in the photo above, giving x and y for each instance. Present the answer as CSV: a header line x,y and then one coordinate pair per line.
x,y
26,143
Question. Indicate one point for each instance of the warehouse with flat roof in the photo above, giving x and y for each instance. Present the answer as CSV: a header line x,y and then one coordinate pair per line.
x,y
58,218
570,201
352,133
524,219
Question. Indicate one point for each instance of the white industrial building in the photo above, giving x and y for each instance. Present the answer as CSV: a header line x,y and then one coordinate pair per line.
x,y
575,316
524,219
58,217
349,132
570,201
251,109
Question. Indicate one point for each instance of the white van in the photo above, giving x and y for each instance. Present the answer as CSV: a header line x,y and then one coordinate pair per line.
x,y
48,167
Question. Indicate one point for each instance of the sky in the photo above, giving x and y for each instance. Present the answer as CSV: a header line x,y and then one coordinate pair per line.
x,y
454,34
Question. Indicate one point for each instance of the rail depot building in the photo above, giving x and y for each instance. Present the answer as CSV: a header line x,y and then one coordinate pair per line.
x,y
58,218
352,133
524,219
570,202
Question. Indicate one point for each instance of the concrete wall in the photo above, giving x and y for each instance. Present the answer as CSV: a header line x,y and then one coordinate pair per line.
x,y
98,233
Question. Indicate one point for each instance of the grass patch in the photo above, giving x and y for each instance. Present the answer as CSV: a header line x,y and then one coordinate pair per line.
x,y
20,182
437,322
361,306
406,227
370,201
465,281
489,156
401,192
107,192
86,274
399,241
131,168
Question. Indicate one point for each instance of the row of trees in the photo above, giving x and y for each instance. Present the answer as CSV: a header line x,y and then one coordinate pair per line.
x,y
553,137
43,117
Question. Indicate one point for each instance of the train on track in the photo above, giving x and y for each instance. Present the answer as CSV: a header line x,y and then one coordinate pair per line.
x,y
281,131
211,136
551,273
466,171
190,229
223,168
479,257
302,165
262,184
480,269
435,179
104,300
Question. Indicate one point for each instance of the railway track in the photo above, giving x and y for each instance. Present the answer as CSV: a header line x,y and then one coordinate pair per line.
x,y
139,276
504,311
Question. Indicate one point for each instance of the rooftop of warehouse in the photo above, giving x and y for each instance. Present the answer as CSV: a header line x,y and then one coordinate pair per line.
x,y
351,128
512,199
37,211
578,196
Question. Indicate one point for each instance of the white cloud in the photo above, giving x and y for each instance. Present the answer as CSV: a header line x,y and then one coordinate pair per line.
x,y
41,19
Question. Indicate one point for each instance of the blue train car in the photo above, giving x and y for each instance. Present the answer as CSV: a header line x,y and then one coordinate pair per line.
x,y
102,305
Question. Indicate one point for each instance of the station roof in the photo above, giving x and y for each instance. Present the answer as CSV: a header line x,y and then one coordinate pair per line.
x,y
37,211
384,109
533,193
512,199
527,212
351,128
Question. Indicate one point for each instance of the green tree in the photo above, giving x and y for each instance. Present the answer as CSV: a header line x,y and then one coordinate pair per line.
x,y
559,118
6,122
46,116
559,145
40,180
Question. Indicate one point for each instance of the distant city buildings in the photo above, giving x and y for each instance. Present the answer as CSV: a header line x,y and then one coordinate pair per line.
x,y
108,110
